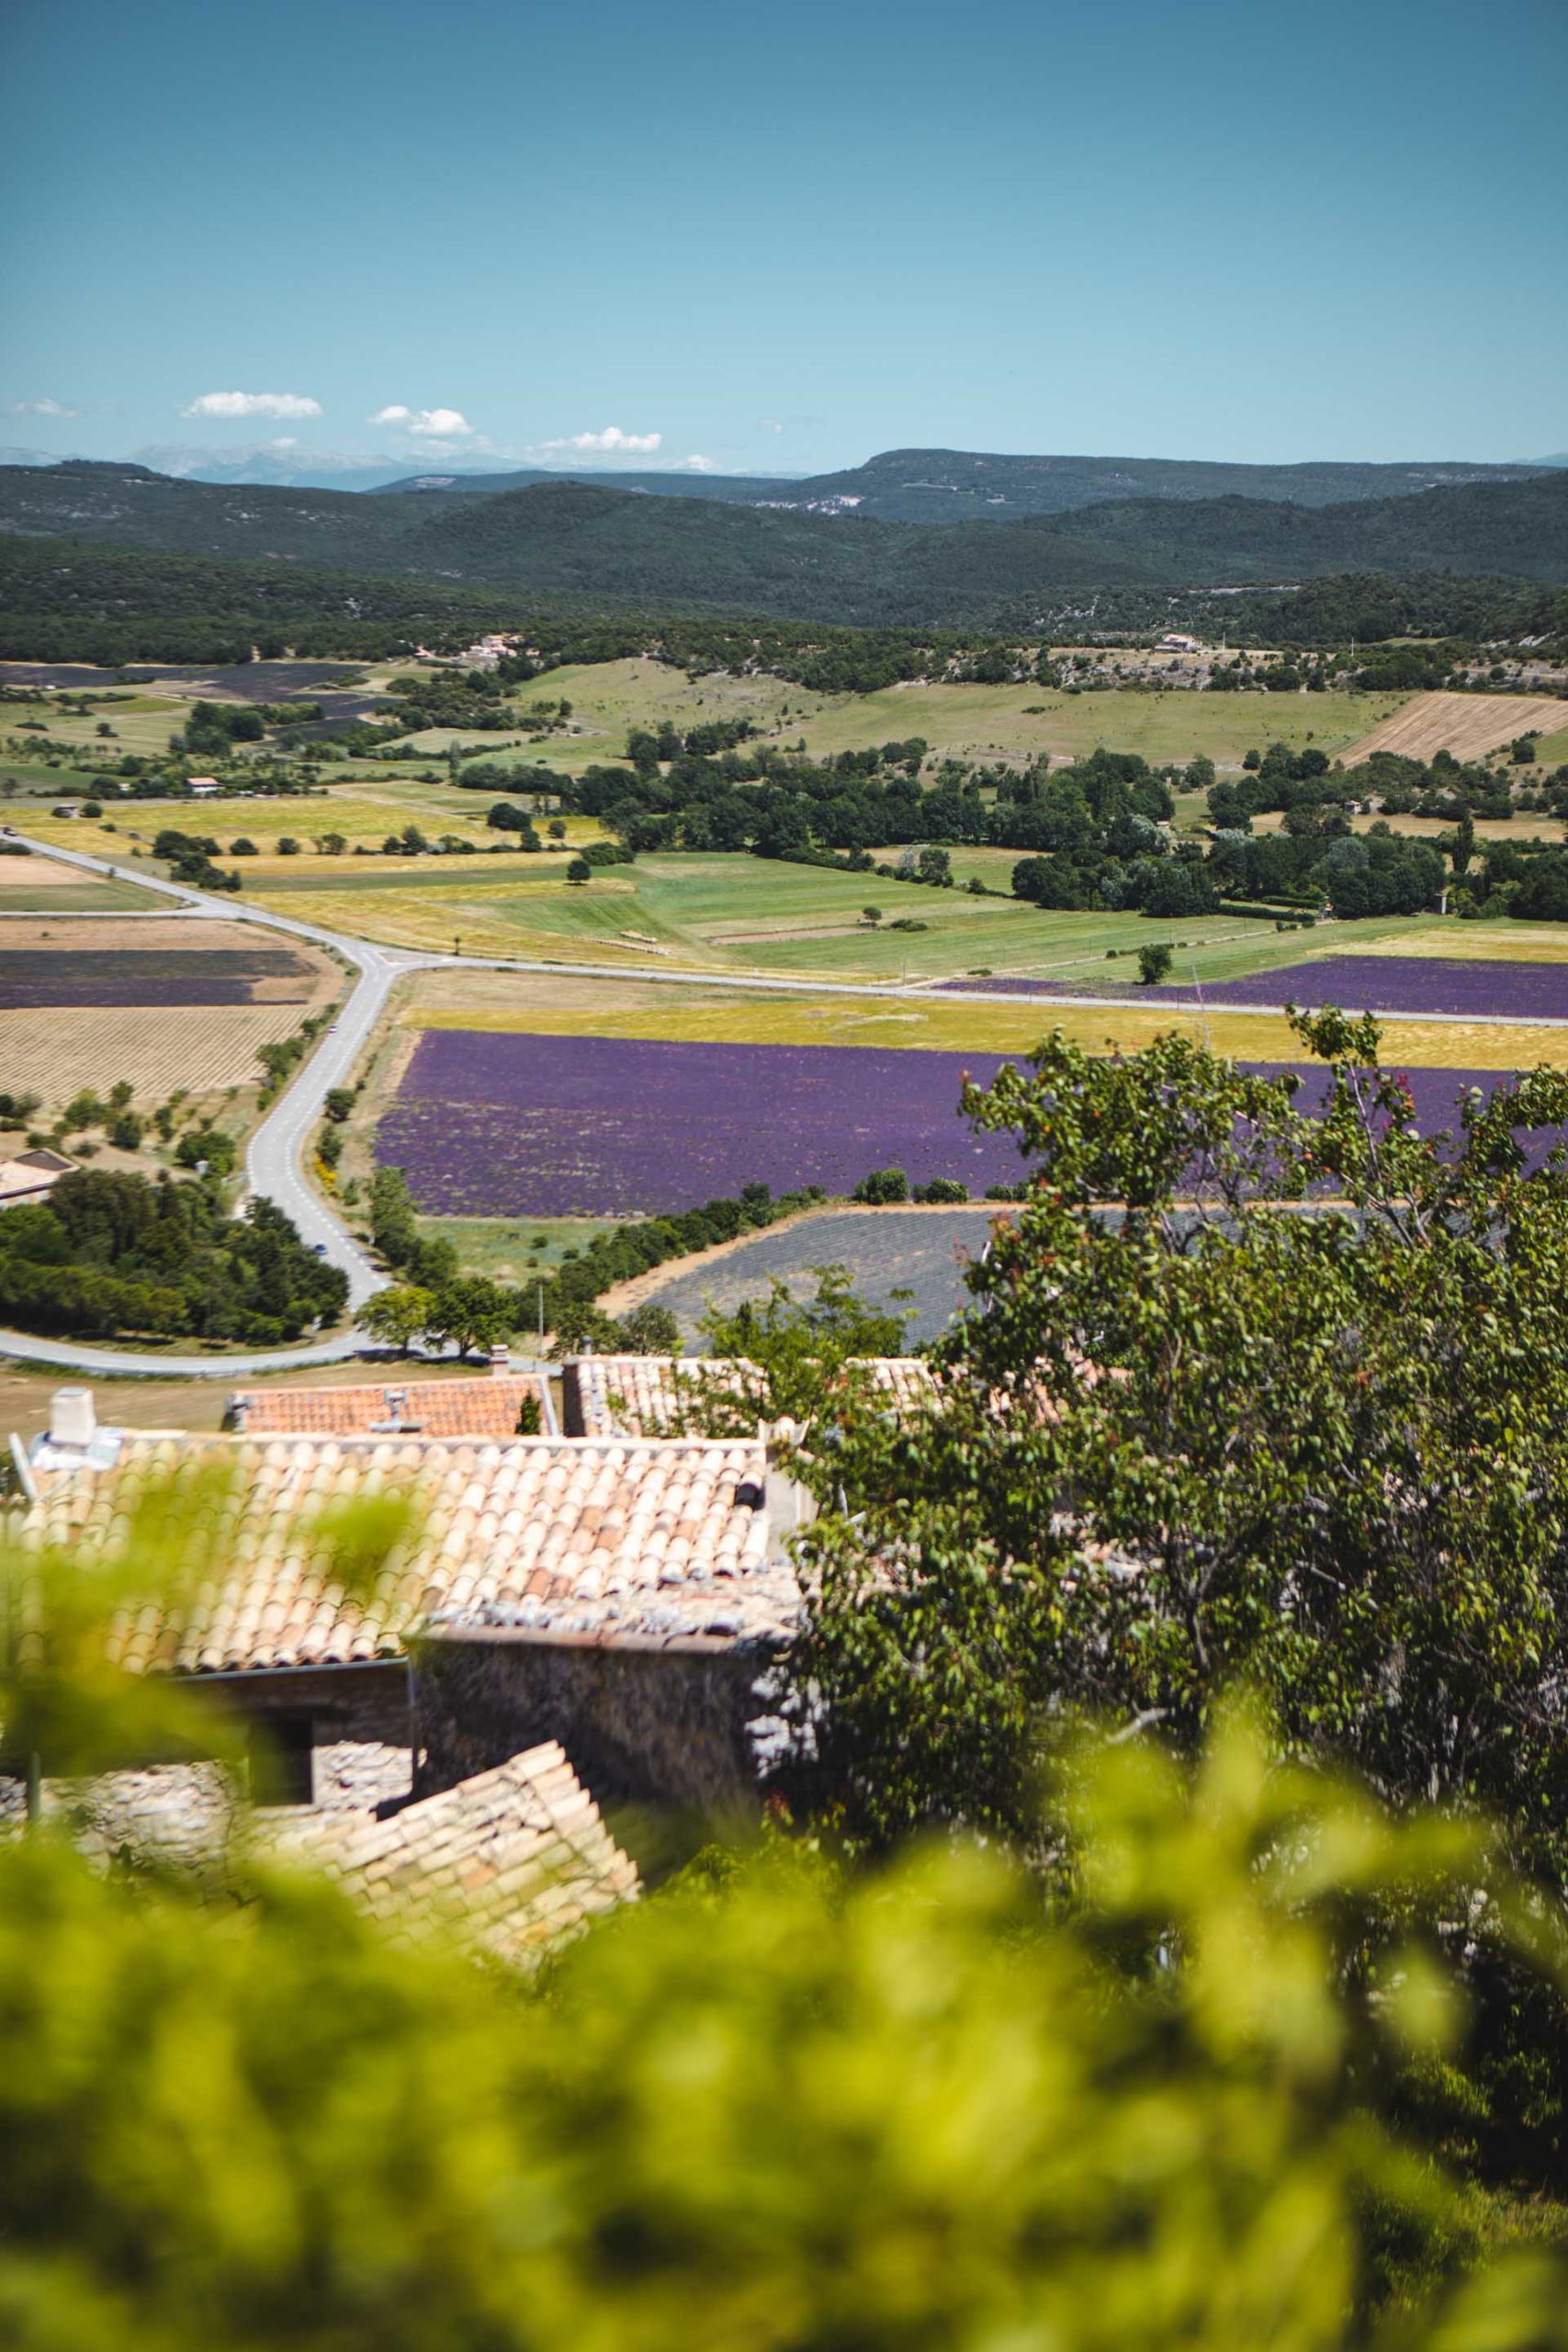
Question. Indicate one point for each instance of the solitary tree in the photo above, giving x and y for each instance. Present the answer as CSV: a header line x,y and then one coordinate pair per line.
x,y
397,1316
579,871
1154,963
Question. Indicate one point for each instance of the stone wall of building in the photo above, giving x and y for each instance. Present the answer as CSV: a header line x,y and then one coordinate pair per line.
x,y
361,1730
688,1722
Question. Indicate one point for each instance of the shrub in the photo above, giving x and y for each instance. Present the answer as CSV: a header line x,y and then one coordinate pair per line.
x,y
883,1187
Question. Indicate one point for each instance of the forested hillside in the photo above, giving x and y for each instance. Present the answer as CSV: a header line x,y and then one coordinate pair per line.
x,y
960,485
610,545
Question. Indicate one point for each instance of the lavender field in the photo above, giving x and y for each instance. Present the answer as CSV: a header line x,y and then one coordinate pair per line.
x,y
1357,983
121,976
489,1123
492,1123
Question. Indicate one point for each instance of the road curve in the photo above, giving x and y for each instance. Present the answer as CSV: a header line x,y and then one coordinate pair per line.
x,y
272,1170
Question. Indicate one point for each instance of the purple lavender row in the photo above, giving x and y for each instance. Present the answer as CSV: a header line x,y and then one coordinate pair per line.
x,y
1358,983
491,1124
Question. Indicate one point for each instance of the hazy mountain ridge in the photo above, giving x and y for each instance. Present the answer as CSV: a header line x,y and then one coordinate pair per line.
x,y
591,540
939,486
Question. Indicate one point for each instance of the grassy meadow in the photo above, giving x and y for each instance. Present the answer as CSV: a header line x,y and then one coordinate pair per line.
x,y
965,722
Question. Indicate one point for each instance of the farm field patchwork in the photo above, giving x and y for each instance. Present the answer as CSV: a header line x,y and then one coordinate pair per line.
x,y
732,910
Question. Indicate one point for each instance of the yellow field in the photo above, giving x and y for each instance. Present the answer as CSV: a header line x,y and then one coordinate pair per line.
x,y
950,1025
56,1050
1474,942
359,814
1467,725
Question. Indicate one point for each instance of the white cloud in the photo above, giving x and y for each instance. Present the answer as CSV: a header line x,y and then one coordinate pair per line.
x,y
425,423
696,465
253,404
41,408
641,445
772,425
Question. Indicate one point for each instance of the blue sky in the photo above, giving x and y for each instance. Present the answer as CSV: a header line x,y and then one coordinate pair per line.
x,y
783,240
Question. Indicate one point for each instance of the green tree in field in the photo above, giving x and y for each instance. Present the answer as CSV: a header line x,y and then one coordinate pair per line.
x,y
1154,965
579,870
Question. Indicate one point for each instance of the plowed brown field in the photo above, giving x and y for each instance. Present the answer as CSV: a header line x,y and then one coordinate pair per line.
x,y
57,1051
1466,725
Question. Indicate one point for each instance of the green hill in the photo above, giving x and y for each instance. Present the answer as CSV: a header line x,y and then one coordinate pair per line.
x,y
613,547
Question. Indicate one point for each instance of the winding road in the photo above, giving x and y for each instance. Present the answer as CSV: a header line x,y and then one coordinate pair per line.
x,y
274,1167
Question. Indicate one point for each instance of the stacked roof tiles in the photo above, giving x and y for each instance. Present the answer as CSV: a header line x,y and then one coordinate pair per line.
x,y
516,1858
597,1538
487,1407
649,1396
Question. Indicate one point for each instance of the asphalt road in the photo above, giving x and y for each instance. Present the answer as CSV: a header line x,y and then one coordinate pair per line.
x,y
272,1170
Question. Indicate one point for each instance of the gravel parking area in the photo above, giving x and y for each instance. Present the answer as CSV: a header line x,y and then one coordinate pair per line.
x,y
918,1250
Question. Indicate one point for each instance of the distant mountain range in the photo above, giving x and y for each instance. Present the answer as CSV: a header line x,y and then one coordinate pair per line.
x,y
807,559
959,486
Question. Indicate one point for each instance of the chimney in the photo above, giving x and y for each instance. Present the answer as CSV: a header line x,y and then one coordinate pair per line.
x,y
501,1361
789,1505
71,1421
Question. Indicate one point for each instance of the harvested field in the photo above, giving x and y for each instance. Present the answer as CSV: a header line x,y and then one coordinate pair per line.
x,y
1466,725
57,1051
922,1252
37,874
71,976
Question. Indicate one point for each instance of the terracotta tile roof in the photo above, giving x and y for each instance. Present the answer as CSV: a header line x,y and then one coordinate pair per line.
x,y
481,1407
645,1395
515,1857
569,1536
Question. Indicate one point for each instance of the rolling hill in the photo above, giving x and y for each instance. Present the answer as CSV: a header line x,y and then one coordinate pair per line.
x,y
613,545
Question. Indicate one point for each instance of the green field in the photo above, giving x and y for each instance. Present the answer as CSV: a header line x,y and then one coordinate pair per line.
x,y
969,722
516,1249
732,911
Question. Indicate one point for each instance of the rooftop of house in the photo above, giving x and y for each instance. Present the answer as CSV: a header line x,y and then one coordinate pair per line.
x,y
650,1395
30,1172
659,1539
513,1859
489,1406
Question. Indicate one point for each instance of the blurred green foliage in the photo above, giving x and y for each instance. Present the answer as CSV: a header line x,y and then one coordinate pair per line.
x,y
772,2108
